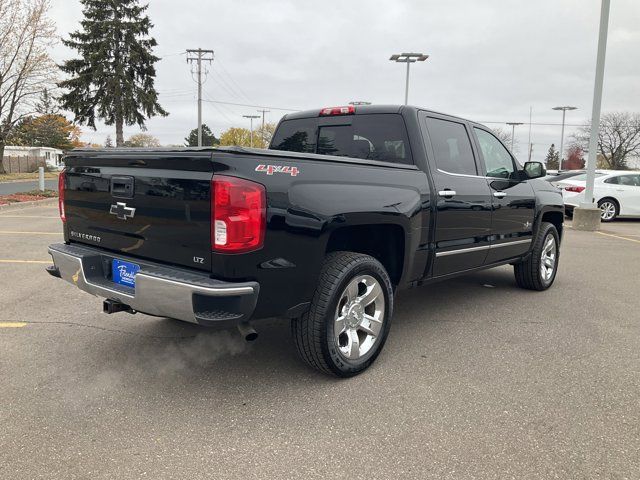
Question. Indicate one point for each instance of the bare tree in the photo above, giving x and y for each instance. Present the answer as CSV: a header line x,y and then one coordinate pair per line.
x,y
505,137
618,139
25,66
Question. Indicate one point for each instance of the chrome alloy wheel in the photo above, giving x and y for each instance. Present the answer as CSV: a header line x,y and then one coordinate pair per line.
x,y
359,317
607,210
548,258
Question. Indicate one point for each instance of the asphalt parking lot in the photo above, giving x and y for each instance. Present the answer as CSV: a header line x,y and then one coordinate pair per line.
x,y
478,379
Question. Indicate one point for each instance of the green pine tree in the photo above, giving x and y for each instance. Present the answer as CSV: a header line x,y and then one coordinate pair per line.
x,y
552,161
208,138
113,79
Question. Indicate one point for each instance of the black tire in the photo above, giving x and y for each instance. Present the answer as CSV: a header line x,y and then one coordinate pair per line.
x,y
529,273
313,333
616,209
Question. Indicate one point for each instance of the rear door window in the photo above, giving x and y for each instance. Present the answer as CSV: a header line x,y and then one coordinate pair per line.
x,y
627,180
380,137
451,147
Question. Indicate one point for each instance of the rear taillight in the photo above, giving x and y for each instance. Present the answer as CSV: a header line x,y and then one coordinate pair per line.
x,y
61,179
238,214
347,110
574,188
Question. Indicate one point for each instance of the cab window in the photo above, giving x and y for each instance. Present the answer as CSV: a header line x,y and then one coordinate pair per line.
x,y
497,158
451,147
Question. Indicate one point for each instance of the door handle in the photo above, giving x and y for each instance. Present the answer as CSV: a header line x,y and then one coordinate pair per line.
x,y
499,194
447,193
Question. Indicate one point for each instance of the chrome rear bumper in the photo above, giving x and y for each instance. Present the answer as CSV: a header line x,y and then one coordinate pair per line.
x,y
160,290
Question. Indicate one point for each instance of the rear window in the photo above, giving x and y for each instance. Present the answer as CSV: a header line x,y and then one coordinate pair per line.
x,y
373,137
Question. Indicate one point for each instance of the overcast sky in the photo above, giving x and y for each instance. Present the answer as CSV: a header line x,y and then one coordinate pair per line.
x,y
489,61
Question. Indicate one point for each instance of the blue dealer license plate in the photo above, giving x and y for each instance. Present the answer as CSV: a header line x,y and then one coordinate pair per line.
x,y
124,273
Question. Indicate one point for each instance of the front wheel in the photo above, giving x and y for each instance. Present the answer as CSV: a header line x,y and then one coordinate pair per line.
x,y
539,271
348,322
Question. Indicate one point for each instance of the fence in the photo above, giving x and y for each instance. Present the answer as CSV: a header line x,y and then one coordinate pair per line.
x,y
22,164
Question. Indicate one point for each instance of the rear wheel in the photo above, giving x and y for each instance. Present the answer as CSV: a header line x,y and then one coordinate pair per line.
x,y
609,209
348,322
539,271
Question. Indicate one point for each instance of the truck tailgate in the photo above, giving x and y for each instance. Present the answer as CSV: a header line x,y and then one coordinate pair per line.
x,y
151,205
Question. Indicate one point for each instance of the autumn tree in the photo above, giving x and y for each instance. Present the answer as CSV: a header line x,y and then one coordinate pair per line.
x,y
618,139
208,138
552,160
142,140
236,136
575,158
50,130
242,136
113,78
25,66
262,135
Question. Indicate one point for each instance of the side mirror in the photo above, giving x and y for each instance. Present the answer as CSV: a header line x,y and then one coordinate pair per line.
x,y
534,169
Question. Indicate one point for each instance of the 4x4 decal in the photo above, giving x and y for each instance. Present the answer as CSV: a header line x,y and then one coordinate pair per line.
x,y
271,169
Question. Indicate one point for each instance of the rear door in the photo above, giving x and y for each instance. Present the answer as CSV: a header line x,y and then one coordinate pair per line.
x,y
150,205
512,199
626,189
463,217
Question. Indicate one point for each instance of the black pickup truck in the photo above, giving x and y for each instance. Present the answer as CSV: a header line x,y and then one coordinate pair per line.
x,y
346,207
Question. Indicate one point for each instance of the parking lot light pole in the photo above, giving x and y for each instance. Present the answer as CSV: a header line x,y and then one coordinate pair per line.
x,y
587,214
564,112
513,131
251,117
408,58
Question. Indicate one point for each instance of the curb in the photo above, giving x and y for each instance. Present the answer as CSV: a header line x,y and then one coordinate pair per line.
x,y
35,203
26,180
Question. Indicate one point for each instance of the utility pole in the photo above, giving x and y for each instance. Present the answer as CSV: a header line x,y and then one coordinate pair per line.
x,y
263,111
564,112
251,117
408,58
513,131
530,144
198,56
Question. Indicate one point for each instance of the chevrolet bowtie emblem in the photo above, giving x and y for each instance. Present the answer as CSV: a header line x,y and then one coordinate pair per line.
x,y
121,211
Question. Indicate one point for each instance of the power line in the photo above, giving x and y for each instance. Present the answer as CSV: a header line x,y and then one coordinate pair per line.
x,y
253,106
226,72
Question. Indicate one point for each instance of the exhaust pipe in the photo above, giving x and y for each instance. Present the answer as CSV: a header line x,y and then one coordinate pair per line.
x,y
113,306
247,331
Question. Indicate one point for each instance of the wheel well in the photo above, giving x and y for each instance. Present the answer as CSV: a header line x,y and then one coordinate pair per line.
x,y
385,243
612,199
556,218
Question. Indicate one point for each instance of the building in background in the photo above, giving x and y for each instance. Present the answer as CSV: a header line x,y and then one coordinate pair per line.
x,y
32,156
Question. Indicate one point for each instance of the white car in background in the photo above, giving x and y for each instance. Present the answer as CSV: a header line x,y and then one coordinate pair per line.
x,y
617,193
